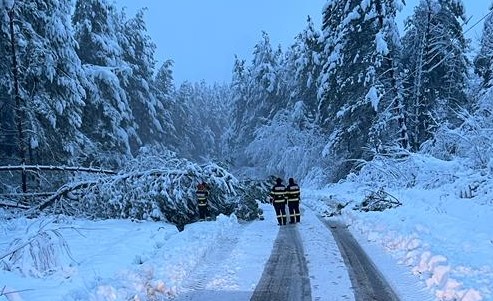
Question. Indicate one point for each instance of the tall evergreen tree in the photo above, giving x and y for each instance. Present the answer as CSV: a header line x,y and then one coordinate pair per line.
x,y
138,54
164,89
50,83
435,60
303,65
240,91
8,133
478,126
483,62
107,119
260,93
264,82
290,142
360,40
389,128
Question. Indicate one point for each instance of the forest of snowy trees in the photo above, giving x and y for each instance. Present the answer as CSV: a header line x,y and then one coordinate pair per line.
x,y
80,87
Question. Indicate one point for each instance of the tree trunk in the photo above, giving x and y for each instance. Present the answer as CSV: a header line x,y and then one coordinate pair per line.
x,y
19,110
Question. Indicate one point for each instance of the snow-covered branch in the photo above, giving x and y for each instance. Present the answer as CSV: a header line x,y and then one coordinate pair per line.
x,y
24,167
149,187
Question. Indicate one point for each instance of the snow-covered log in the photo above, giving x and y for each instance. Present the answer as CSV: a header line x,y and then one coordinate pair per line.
x,y
23,167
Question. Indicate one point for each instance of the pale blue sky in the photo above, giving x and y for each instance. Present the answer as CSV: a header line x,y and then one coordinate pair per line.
x,y
202,37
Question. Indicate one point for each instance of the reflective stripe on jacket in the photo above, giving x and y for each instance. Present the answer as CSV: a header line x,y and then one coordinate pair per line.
x,y
201,197
293,193
278,193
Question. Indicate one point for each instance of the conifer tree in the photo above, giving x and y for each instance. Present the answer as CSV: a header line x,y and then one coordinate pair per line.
x,y
240,93
265,82
50,79
257,93
107,119
303,66
478,126
483,62
435,60
358,78
290,142
8,132
138,54
163,88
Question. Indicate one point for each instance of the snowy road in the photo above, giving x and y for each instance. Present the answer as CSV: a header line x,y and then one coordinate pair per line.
x,y
368,282
221,260
286,275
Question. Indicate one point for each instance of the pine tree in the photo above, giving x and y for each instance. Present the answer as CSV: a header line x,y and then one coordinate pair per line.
x,y
257,93
483,62
358,78
50,83
303,65
8,132
164,89
107,119
478,126
389,129
264,82
240,92
289,143
436,64
138,54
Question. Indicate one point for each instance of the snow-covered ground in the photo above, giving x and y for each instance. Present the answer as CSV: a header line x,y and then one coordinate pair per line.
x,y
121,260
436,246
442,234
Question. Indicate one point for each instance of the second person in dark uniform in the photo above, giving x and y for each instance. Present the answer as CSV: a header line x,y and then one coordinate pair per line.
x,y
293,196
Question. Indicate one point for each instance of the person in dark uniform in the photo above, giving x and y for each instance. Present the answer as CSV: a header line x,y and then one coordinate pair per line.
x,y
201,193
278,199
293,196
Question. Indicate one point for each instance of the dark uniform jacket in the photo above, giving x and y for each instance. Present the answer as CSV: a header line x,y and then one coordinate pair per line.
x,y
202,197
293,193
278,194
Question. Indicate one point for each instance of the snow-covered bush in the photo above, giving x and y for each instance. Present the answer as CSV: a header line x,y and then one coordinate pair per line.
x,y
38,252
471,141
253,192
406,170
424,172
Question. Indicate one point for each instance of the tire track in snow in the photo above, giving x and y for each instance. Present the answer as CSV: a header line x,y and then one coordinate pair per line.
x,y
285,276
213,271
369,284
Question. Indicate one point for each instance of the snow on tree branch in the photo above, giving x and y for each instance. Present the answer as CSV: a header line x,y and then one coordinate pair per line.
x,y
152,187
